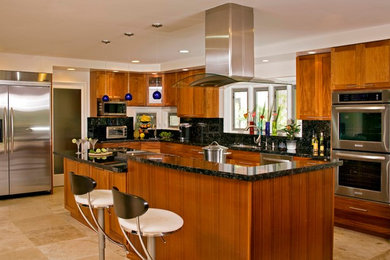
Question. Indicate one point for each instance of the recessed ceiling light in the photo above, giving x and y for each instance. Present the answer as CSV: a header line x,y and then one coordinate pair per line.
x,y
185,69
115,71
71,69
265,60
106,41
135,61
154,73
311,52
184,51
157,25
129,34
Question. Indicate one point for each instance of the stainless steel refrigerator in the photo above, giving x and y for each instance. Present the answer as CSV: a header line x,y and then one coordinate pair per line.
x,y
25,134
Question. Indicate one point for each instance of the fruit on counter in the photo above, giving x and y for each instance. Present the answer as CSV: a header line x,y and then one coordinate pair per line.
x,y
142,135
74,140
91,151
104,150
98,150
145,118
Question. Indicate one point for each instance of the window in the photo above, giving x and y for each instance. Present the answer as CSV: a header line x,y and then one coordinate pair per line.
x,y
240,107
173,120
261,106
281,98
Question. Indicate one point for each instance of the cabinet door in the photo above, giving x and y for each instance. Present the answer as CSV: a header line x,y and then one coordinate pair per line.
x,y
117,87
137,89
346,67
116,180
70,204
185,96
376,64
313,87
150,146
169,92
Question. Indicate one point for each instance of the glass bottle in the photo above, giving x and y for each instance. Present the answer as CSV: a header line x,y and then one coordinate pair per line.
x,y
315,146
322,147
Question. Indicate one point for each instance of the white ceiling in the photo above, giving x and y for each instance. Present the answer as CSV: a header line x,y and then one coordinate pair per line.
x,y
74,28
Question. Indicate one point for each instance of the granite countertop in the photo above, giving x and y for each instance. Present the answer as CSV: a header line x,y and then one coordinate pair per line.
x,y
229,170
111,163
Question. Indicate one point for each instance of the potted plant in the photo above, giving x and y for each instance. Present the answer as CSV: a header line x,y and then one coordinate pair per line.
x,y
291,129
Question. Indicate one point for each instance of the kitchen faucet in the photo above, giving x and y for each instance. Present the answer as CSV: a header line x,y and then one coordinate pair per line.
x,y
258,139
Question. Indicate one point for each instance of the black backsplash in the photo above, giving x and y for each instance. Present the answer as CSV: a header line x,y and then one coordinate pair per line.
x,y
97,126
204,130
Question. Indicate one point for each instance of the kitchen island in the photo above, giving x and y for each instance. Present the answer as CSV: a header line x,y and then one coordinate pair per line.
x,y
274,211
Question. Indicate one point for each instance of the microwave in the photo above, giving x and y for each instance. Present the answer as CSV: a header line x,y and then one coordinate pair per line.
x,y
111,108
116,132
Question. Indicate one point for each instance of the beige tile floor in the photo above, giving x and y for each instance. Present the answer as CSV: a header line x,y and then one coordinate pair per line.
x,y
40,228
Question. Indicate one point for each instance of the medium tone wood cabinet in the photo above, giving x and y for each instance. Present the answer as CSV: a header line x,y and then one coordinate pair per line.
x,y
313,99
169,91
138,89
196,101
365,216
361,66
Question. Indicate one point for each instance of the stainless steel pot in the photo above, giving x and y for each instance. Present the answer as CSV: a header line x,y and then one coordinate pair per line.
x,y
215,153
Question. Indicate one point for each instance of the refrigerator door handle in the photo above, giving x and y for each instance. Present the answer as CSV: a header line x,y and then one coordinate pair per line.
x,y
5,138
12,129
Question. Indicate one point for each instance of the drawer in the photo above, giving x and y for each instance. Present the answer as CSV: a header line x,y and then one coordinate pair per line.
x,y
362,207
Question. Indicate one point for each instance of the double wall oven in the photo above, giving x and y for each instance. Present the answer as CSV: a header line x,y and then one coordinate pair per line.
x,y
360,138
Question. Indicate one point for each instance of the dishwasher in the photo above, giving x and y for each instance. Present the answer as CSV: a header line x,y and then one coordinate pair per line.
x,y
274,158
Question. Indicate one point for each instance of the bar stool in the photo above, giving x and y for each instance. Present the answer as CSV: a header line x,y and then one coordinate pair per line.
x,y
85,194
135,216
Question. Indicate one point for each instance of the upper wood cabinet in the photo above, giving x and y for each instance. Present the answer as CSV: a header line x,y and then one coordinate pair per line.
x,y
364,65
138,89
170,92
196,101
313,99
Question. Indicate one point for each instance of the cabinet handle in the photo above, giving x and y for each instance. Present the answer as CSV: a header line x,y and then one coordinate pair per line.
x,y
351,86
358,209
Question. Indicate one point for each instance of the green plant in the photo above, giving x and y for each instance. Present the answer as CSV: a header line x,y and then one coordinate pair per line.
x,y
291,129
165,135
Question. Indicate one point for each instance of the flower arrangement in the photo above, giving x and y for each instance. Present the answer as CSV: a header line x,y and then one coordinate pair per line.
x,y
291,129
261,117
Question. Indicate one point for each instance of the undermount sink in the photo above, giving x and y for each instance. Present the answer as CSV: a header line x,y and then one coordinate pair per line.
x,y
245,146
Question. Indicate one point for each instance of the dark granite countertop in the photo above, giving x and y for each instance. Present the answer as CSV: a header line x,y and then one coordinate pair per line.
x,y
229,170
111,163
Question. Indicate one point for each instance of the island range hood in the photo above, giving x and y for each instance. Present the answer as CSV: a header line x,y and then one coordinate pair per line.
x,y
229,41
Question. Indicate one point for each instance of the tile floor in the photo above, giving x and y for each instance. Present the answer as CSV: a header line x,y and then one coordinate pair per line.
x,y
40,228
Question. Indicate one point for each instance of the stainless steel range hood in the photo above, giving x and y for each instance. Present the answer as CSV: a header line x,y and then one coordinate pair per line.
x,y
229,40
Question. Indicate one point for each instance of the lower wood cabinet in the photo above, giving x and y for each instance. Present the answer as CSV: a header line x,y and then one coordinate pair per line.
x,y
105,180
243,158
365,216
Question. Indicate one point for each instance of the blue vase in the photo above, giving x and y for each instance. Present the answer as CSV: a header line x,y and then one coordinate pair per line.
x,y
267,128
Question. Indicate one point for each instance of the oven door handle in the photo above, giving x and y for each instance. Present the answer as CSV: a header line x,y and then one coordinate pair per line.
x,y
354,156
361,108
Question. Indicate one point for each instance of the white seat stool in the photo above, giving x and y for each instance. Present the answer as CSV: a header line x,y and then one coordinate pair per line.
x,y
84,192
135,216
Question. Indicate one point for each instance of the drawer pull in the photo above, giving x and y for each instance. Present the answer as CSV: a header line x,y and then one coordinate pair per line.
x,y
358,209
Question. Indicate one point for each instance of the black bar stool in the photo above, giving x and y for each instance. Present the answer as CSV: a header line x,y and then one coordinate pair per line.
x,y
85,194
135,216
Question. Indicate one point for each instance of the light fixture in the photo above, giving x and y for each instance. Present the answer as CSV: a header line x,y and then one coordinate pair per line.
x,y
311,52
128,96
184,69
184,51
129,34
157,25
135,61
156,94
106,41
265,60
115,71
71,69
154,73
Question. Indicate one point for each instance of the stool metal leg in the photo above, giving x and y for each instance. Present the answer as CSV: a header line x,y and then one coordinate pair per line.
x,y
151,247
102,243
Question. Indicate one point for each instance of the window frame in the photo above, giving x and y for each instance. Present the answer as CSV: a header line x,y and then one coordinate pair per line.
x,y
235,90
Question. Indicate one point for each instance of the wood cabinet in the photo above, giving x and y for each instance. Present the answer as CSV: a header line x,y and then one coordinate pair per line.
x,y
138,89
313,99
184,150
243,158
106,83
365,216
169,91
364,65
196,101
